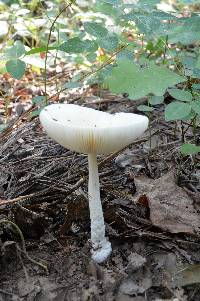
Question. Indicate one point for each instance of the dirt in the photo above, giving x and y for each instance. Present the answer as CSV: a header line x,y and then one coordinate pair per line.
x,y
150,197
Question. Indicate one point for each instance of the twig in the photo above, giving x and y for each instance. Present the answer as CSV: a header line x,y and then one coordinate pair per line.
x,y
28,196
47,49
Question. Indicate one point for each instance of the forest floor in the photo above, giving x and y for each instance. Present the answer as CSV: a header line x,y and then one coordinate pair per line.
x,y
151,201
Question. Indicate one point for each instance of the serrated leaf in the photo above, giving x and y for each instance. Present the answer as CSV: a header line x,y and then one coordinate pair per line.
x,y
196,106
95,29
177,111
16,51
129,78
156,100
16,68
144,108
190,149
180,94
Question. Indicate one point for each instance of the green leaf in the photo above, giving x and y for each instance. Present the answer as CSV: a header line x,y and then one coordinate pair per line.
x,y
36,112
16,68
95,29
90,46
180,94
138,82
196,106
38,100
113,2
190,149
110,42
76,45
144,108
188,32
146,23
39,50
196,86
16,51
156,100
177,110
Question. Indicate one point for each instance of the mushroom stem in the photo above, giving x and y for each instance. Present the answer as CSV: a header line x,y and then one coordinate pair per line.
x,y
101,246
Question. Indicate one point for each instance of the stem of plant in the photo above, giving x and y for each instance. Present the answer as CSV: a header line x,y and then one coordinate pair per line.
x,y
165,49
47,48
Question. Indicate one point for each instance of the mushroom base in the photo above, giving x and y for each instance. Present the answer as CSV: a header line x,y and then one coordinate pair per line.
x,y
101,254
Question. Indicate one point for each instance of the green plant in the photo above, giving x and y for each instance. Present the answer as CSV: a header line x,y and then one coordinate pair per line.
x,y
128,48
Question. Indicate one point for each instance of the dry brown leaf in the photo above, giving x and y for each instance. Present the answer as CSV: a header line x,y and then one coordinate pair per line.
x,y
171,208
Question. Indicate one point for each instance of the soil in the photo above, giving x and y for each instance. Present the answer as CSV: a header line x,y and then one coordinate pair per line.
x,y
43,190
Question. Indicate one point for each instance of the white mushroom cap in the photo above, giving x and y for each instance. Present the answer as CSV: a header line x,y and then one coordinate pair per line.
x,y
86,130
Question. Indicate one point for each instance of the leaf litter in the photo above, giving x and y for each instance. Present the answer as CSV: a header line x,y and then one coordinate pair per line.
x,y
152,221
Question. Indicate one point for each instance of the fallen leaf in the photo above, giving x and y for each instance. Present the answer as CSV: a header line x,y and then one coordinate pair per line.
x,y
171,208
188,275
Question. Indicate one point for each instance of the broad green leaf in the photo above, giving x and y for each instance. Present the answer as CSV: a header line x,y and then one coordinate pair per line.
x,y
95,29
144,108
188,32
76,45
110,42
145,23
16,68
190,149
196,106
125,55
156,100
181,95
90,46
177,111
16,51
138,82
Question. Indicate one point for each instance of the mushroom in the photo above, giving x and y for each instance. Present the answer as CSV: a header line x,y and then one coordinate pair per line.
x,y
92,132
